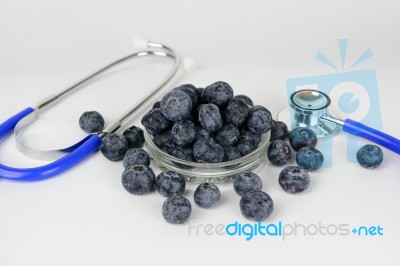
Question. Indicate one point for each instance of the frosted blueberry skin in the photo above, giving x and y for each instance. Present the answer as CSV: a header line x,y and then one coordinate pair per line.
x,y
236,112
370,156
259,120
279,152
183,153
134,136
309,158
91,122
279,131
114,146
155,122
207,195
245,98
302,137
202,134
134,157
231,153
294,179
227,135
246,182
183,132
138,179
176,105
218,93
190,90
160,139
170,183
248,142
210,117
208,152
256,205
176,209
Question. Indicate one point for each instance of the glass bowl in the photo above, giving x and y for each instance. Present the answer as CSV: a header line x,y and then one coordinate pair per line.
x,y
207,172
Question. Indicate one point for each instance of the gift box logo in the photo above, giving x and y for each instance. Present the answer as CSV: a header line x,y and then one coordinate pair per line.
x,y
354,94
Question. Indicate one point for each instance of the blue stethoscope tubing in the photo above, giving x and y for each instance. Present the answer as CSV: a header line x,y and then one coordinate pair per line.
x,y
92,142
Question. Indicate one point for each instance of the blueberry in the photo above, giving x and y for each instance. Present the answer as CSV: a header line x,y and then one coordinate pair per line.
x,y
176,105
245,98
135,156
259,120
190,90
370,156
246,182
202,134
236,112
160,139
207,195
183,132
210,117
91,122
218,93
170,183
183,153
279,131
208,152
176,209
302,137
256,205
309,158
134,136
138,179
248,142
155,122
227,135
279,152
156,105
114,146
294,179
199,92
231,153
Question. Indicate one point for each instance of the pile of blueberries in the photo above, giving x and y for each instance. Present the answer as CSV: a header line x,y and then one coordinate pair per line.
x,y
211,125
208,125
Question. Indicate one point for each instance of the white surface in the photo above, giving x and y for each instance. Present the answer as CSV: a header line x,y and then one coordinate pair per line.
x,y
84,217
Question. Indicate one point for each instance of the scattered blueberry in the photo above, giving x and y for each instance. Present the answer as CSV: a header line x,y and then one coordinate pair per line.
x,y
91,122
176,105
309,158
218,93
208,152
134,136
256,205
176,209
227,135
170,183
114,146
138,179
370,156
246,182
210,117
259,120
302,137
155,122
279,131
245,98
160,139
183,132
190,90
236,112
207,195
294,179
279,152
135,156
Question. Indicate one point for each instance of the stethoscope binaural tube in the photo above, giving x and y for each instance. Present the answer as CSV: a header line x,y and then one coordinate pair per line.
x,y
73,155
310,108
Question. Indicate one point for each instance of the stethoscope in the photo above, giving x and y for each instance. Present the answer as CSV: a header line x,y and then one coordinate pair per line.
x,y
309,108
71,156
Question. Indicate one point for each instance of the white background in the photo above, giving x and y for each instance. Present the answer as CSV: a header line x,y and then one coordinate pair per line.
x,y
85,217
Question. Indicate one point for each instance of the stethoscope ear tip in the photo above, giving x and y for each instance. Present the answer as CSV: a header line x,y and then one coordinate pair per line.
x,y
140,43
188,64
